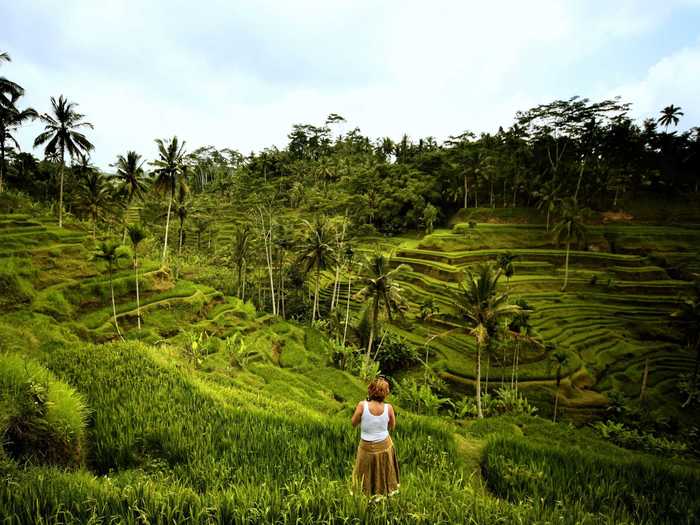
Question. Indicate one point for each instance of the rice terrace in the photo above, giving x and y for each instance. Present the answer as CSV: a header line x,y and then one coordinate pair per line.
x,y
211,278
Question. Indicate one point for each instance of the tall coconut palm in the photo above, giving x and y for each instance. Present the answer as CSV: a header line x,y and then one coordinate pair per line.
x,y
505,263
11,118
349,256
130,174
241,252
670,115
136,235
8,89
111,252
382,292
94,197
559,360
182,208
60,135
169,166
570,228
316,253
483,309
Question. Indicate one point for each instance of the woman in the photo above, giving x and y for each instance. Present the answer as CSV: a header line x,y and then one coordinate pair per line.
x,y
376,467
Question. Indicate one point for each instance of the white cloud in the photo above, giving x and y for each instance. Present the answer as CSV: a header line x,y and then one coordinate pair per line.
x,y
240,74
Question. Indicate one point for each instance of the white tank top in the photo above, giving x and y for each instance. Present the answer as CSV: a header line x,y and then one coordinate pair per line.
x,y
374,428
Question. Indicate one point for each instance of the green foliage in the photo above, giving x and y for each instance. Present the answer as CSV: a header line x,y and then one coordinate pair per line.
x,y
626,437
395,353
419,397
15,275
639,490
506,401
43,420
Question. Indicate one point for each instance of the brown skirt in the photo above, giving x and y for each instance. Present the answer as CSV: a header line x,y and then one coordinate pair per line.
x,y
376,468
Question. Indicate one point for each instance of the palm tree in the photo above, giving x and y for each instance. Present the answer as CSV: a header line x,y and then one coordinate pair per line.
x,y
505,263
136,235
111,252
60,133
559,359
548,195
241,251
168,171
349,255
383,293
670,115
483,309
8,89
182,205
94,196
316,252
570,228
10,119
130,174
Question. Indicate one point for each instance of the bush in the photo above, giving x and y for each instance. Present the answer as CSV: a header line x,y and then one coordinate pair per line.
x,y
419,398
14,282
633,439
44,419
506,401
396,353
53,303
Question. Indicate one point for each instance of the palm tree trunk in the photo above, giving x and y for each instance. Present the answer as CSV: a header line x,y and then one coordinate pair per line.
x,y
548,211
480,413
167,227
138,300
488,372
2,161
566,267
60,192
335,286
556,405
347,310
114,306
466,191
318,283
645,378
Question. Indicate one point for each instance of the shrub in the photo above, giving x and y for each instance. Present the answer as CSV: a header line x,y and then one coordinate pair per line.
x,y
396,353
44,419
53,303
14,282
419,398
626,437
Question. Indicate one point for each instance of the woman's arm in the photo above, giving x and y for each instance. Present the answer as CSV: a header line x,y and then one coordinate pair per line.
x,y
357,415
392,418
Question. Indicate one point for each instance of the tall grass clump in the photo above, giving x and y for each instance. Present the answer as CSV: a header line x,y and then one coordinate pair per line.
x,y
627,489
15,282
43,420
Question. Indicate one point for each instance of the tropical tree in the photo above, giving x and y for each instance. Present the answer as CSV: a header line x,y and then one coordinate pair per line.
x,y
430,214
505,263
483,309
182,206
8,89
570,228
111,252
130,174
349,256
382,292
316,253
11,118
559,360
136,235
60,135
168,171
241,252
670,115
548,198
94,197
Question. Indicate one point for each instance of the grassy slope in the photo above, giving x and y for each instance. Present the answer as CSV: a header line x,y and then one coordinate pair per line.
x,y
167,441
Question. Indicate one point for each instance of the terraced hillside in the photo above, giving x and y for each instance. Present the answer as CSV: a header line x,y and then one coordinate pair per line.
x,y
612,318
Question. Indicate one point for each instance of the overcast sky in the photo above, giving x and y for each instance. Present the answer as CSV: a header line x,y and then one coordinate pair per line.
x,y
240,73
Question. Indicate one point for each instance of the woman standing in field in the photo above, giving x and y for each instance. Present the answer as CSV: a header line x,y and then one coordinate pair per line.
x,y
376,467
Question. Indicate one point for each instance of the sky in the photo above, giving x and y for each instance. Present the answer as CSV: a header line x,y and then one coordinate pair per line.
x,y
239,74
